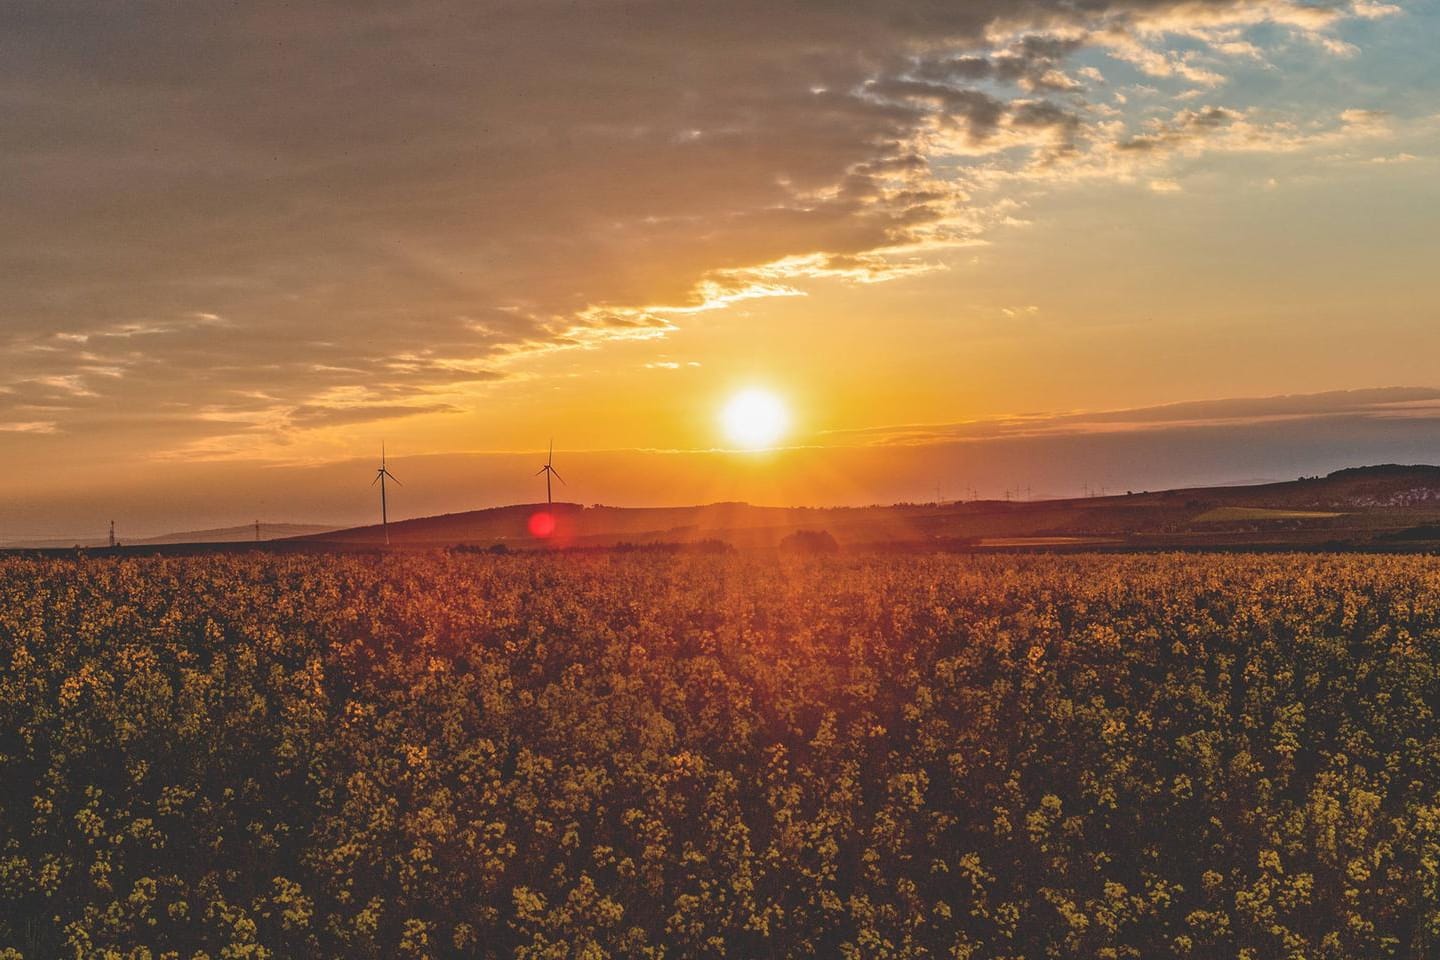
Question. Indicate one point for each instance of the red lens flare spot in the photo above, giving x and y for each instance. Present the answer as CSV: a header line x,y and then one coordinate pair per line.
x,y
542,524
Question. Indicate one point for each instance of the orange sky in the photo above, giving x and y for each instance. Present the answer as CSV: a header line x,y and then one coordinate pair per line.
x,y
256,243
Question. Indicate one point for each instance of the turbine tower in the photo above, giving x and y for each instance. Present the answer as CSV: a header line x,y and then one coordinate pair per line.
x,y
549,471
380,476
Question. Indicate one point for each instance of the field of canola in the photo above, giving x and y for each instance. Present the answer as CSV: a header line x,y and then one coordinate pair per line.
x,y
457,755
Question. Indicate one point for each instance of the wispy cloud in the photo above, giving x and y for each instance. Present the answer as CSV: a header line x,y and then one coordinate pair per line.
x,y
1380,403
28,426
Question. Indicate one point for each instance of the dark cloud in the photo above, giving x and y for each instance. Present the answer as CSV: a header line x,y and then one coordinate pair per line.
x,y
1033,63
1185,127
310,415
978,112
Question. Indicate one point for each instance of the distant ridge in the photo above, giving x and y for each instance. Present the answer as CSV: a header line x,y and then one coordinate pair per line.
x,y
268,531
242,534
1353,506
1383,506
577,525
1385,470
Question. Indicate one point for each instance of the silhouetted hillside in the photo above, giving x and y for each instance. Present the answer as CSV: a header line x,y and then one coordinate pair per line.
x,y
268,531
1353,507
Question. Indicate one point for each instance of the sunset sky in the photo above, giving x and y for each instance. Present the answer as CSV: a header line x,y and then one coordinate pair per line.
x,y
968,245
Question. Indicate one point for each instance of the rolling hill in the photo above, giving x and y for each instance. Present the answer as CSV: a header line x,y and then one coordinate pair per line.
x,y
241,534
1386,507
1379,506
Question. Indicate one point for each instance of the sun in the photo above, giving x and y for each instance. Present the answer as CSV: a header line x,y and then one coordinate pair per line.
x,y
755,419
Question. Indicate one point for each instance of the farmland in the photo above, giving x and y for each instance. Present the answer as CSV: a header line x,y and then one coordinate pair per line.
x,y
452,754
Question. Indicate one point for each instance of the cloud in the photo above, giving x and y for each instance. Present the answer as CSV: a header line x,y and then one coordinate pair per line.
x,y
1152,150
1371,10
319,414
28,426
236,209
1186,127
1385,403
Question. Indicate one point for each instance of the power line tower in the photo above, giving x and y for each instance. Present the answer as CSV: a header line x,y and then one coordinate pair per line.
x,y
112,534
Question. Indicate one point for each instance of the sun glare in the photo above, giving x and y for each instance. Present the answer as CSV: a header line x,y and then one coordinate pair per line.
x,y
755,419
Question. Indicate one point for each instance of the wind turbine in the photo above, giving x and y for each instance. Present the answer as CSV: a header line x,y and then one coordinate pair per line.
x,y
380,476
549,471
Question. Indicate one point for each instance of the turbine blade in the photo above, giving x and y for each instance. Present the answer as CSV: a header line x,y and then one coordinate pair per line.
x,y
376,480
542,469
392,477
557,476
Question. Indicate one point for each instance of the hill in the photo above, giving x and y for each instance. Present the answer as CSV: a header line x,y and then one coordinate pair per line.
x,y
1377,506
242,534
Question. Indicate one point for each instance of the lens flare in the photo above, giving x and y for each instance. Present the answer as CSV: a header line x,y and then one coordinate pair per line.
x,y
542,524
